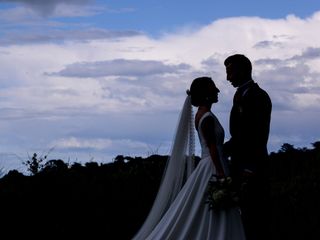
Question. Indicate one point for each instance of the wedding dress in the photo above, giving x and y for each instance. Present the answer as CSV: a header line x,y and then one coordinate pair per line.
x,y
186,215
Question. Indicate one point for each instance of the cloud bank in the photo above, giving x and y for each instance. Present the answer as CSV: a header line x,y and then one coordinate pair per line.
x,y
98,92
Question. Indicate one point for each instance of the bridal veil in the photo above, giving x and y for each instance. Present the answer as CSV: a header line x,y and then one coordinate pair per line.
x,y
179,166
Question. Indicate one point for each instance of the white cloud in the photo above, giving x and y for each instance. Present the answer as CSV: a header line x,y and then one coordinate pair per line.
x,y
99,144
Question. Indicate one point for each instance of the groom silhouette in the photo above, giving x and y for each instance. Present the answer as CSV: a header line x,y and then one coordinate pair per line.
x,y
247,148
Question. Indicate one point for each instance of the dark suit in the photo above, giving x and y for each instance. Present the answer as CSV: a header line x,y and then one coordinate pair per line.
x,y
249,129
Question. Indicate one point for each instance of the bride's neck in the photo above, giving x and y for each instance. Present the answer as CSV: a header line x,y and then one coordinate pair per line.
x,y
204,108
201,111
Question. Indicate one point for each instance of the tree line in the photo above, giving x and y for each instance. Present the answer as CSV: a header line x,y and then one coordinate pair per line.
x,y
111,200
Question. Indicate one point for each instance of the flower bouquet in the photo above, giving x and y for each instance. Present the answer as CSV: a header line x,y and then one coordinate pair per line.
x,y
222,193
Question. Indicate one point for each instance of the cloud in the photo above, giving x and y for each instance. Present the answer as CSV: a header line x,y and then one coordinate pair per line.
x,y
61,36
309,54
276,42
268,44
119,67
27,16
294,82
48,7
99,144
28,12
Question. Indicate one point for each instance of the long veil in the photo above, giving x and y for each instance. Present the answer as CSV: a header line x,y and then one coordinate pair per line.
x,y
179,166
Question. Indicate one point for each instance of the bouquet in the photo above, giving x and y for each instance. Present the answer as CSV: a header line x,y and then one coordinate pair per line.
x,y
222,193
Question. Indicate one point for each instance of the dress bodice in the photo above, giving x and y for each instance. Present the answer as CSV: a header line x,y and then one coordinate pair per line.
x,y
219,137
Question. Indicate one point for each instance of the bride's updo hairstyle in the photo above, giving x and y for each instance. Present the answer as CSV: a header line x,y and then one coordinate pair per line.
x,y
202,91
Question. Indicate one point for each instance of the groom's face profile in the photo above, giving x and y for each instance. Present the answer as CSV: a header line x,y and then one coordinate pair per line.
x,y
234,75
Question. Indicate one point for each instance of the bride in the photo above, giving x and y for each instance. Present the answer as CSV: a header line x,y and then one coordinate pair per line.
x,y
180,210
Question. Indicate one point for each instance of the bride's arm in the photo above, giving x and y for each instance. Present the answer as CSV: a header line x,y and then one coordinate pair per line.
x,y
208,130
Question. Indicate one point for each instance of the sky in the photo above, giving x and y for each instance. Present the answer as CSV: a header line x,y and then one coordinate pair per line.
x,y
85,80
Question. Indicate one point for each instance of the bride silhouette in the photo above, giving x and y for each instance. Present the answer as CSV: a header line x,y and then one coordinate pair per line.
x,y
180,210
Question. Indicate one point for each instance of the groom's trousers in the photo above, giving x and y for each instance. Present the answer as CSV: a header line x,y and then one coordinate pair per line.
x,y
255,208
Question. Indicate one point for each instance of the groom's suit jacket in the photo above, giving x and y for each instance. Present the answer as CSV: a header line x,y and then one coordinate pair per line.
x,y
249,128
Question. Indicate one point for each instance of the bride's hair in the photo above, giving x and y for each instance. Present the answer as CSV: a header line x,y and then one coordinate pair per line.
x,y
201,91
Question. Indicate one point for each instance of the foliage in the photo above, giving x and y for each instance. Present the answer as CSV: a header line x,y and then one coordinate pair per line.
x,y
34,164
222,193
113,199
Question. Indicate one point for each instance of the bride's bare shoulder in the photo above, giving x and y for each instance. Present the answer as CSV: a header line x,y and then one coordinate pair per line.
x,y
198,117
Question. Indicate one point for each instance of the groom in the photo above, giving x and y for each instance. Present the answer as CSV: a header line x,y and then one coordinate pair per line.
x,y
247,148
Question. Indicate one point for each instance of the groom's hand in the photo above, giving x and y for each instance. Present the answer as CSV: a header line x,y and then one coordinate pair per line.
x,y
227,149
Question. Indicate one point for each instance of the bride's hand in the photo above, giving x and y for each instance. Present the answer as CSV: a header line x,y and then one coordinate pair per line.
x,y
220,175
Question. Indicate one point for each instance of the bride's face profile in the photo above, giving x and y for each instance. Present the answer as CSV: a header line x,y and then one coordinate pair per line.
x,y
213,93
203,91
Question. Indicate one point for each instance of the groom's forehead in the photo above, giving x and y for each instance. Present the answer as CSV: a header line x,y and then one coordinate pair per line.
x,y
230,67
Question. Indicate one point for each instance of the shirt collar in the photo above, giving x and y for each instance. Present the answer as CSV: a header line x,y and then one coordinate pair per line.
x,y
245,84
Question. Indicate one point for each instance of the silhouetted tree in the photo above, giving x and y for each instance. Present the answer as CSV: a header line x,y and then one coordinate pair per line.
x,y
286,147
316,145
54,166
34,164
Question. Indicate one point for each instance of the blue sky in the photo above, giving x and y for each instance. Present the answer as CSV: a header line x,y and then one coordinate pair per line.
x,y
154,16
86,80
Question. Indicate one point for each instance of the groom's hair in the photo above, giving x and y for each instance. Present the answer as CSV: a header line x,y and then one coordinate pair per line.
x,y
200,90
239,61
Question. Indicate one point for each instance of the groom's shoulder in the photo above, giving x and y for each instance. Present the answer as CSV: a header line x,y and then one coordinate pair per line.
x,y
254,94
255,89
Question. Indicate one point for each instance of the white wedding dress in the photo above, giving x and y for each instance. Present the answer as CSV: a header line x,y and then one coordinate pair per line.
x,y
188,216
